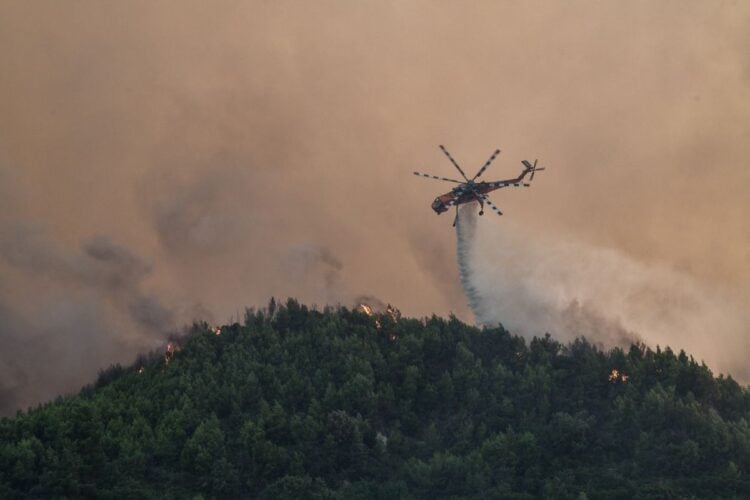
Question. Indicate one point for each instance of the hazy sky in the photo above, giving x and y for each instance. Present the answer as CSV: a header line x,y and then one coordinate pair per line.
x,y
164,161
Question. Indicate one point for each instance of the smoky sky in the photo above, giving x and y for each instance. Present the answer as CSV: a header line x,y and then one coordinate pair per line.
x,y
570,289
166,161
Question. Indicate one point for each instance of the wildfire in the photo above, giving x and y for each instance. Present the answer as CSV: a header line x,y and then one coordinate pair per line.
x,y
169,352
391,311
141,370
365,309
616,375
216,330
394,313
368,311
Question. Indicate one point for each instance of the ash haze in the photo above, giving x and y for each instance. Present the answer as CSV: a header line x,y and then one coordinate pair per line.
x,y
161,162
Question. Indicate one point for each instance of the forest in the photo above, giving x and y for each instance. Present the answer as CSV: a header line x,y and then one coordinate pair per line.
x,y
296,402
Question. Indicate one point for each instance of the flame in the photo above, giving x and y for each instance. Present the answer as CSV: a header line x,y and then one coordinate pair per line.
x,y
394,313
169,352
616,375
391,311
365,309
216,330
141,370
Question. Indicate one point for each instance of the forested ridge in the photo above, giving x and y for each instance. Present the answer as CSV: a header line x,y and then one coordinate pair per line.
x,y
300,403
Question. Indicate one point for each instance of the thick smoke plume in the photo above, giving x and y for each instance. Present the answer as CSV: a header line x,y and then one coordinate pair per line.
x,y
535,285
160,164
316,269
74,312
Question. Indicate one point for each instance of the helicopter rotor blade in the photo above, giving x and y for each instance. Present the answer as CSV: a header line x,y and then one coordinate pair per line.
x,y
454,162
489,203
487,163
501,184
436,177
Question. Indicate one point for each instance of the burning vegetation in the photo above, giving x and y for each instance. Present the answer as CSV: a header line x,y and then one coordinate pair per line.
x,y
617,376
389,312
394,313
169,352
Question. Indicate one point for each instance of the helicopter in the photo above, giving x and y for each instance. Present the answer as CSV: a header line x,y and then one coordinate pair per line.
x,y
471,190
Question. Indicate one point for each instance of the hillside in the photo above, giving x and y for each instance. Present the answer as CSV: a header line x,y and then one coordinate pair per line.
x,y
297,403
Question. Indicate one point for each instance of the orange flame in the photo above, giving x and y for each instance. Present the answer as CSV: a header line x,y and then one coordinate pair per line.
x,y
365,309
615,375
394,313
391,311
169,352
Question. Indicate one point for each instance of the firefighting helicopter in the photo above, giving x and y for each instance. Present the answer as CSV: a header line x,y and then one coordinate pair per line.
x,y
471,190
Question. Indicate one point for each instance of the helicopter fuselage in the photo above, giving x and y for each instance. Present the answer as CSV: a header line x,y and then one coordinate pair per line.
x,y
463,193
466,192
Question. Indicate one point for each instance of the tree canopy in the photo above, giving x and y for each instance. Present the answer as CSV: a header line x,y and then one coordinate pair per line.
x,y
301,403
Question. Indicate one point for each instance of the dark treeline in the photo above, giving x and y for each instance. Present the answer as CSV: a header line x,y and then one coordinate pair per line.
x,y
297,403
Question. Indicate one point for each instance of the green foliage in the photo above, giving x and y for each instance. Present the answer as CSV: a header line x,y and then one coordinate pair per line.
x,y
297,403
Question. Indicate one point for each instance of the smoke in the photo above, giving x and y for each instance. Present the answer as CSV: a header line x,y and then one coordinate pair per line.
x,y
57,345
73,313
201,213
316,270
227,153
437,260
534,285
371,301
112,271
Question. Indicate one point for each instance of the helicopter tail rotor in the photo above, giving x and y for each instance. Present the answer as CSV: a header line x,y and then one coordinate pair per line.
x,y
532,168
